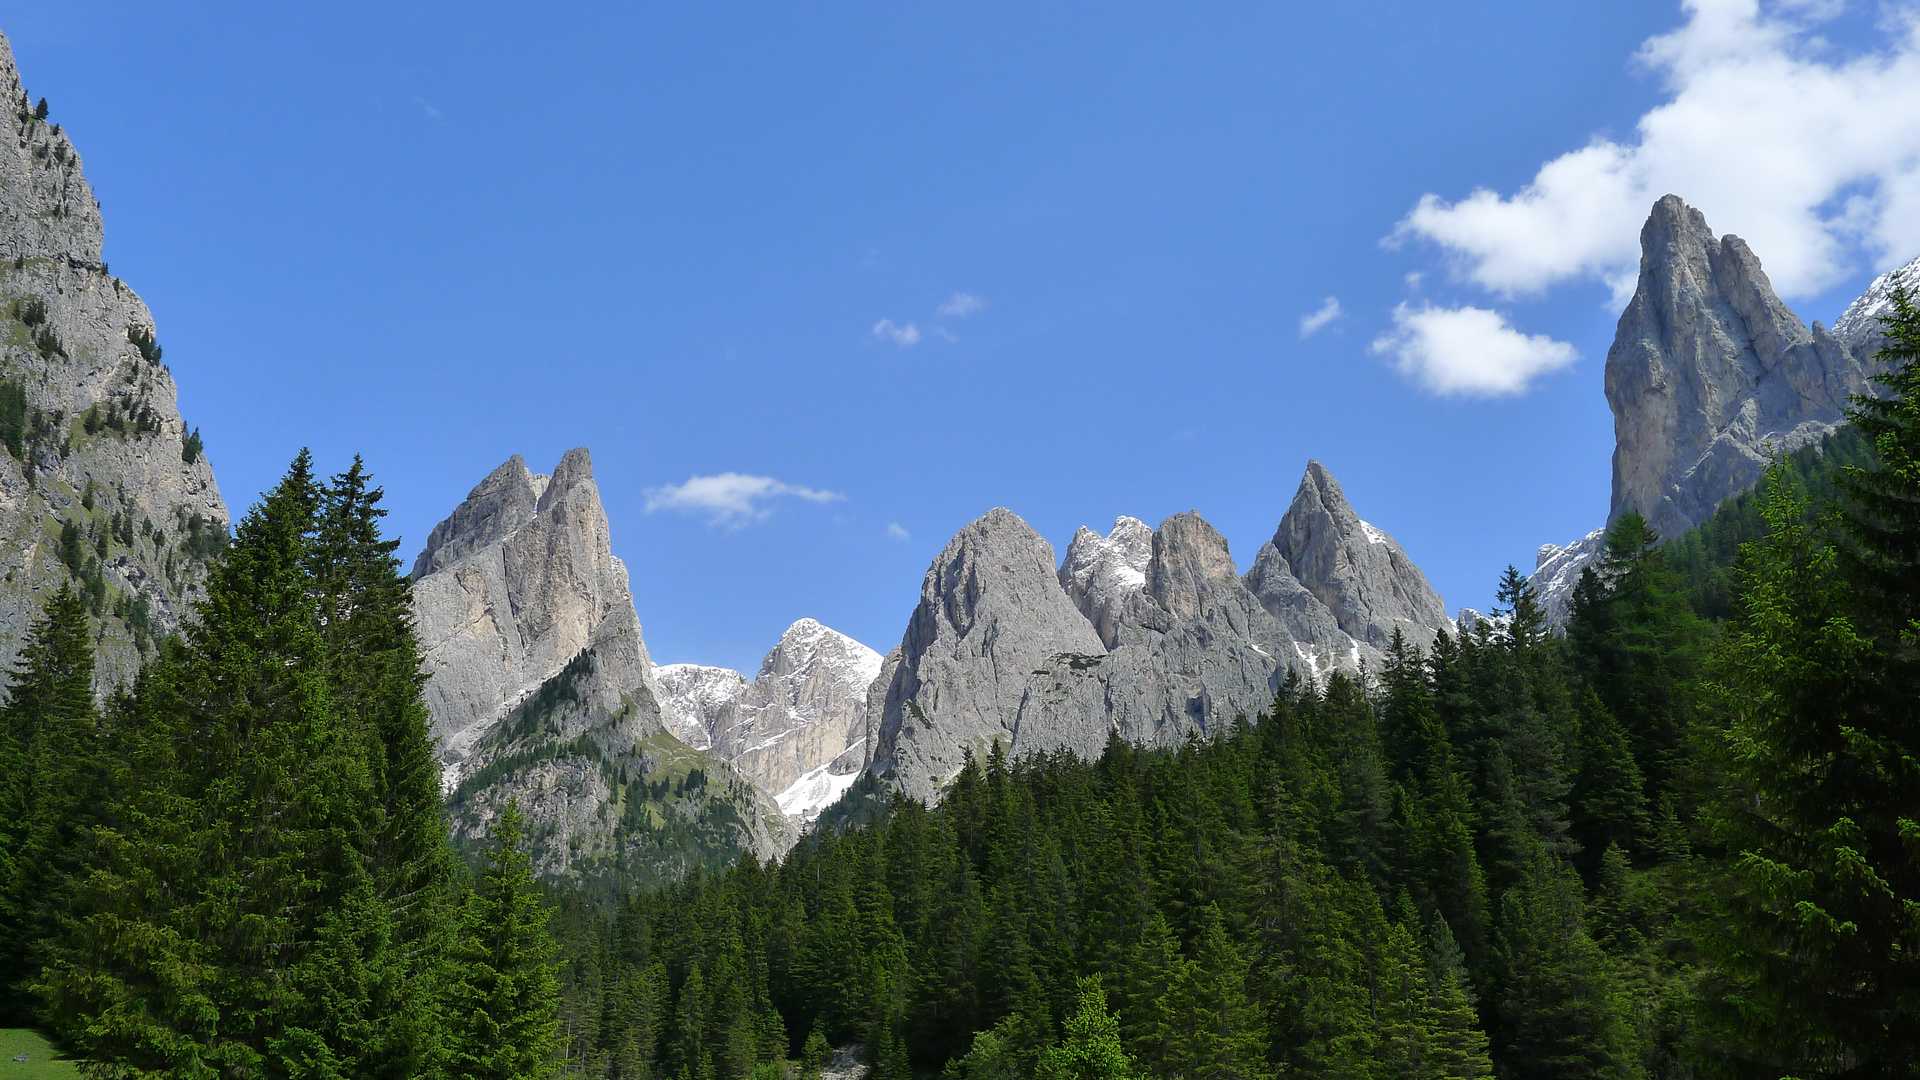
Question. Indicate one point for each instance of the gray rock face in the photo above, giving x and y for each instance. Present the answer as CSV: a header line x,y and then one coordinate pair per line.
x,y
1556,571
977,660
797,730
1151,635
520,580
541,690
507,499
1859,326
1359,573
1101,573
104,449
1197,648
1709,373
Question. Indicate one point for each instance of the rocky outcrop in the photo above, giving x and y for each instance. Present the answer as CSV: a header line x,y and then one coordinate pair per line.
x,y
1151,635
978,658
1710,373
1556,570
519,580
1197,647
1362,575
541,691
1859,326
1102,573
797,730
95,446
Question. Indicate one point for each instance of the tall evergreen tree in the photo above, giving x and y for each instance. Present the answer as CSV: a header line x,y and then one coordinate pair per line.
x,y
1819,675
504,995
49,781
1559,1017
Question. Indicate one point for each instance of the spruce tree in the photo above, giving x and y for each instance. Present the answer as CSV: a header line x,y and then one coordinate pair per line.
x,y
1558,1014
49,781
1091,1048
1217,1030
504,996
1455,1043
1818,675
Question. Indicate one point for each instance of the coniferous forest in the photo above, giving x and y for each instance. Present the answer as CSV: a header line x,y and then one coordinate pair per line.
x,y
1678,838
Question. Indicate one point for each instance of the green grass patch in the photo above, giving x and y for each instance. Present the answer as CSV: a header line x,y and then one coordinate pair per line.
x,y
44,1062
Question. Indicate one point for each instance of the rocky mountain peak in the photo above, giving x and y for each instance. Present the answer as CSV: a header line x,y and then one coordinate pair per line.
x,y
1859,325
992,614
1362,575
103,447
1710,373
808,646
798,730
50,212
503,502
518,582
1100,572
1189,556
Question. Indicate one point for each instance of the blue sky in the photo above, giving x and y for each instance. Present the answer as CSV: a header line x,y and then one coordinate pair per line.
x,y
718,239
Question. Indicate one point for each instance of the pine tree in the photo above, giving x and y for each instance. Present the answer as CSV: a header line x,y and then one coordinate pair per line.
x,y
1400,1007
1217,1030
1818,672
504,998
1091,1049
1153,968
1609,803
1456,1046
1558,1016
1638,642
49,765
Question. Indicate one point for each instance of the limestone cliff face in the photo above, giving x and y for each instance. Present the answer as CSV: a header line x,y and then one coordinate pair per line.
x,y
977,660
1709,373
1151,635
541,691
518,581
797,730
1102,573
1196,646
1361,574
99,450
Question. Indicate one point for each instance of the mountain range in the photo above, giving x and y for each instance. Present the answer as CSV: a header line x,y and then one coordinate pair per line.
x,y
538,679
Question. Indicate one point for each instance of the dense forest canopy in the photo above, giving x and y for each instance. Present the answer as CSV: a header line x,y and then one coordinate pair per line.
x,y
1680,838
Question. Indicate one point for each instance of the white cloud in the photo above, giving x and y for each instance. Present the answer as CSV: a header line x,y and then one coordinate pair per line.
x,y
1468,351
894,530
1811,156
963,305
730,499
1314,323
903,336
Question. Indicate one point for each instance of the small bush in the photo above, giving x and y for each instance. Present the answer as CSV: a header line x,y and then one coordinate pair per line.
x,y
40,111
190,450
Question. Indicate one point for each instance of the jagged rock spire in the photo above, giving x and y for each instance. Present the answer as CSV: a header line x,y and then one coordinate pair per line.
x,y
1710,373
1362,575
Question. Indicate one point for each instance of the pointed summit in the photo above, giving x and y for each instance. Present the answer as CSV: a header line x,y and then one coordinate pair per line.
x,y
495,507
992,613
1710,373
1100,573
1361,574
517,582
